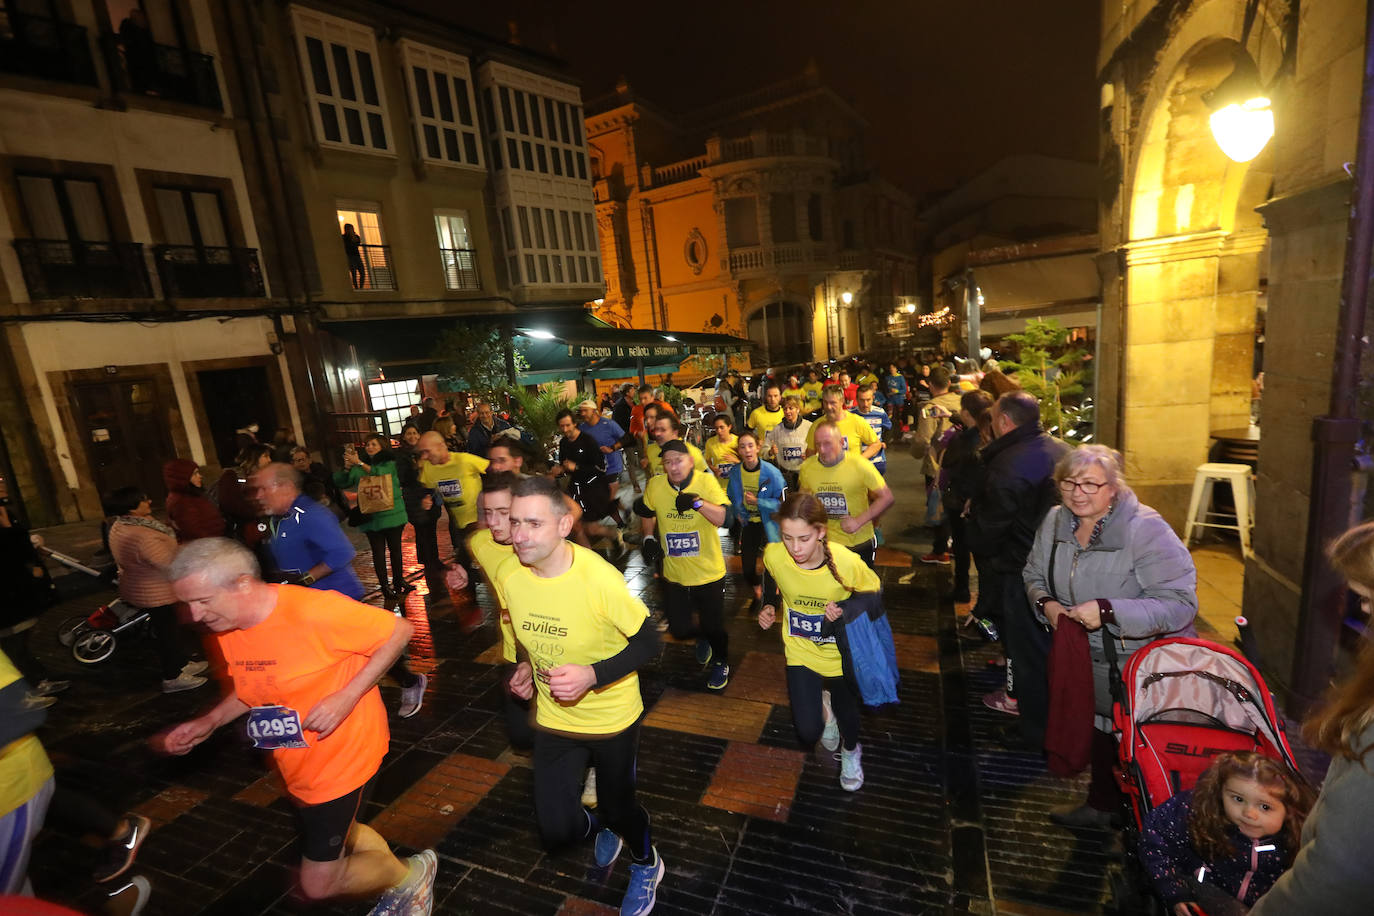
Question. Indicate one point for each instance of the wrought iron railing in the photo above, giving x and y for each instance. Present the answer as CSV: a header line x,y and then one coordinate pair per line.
x,y
163,71
61,269
373,271
43,47
199,272
460,268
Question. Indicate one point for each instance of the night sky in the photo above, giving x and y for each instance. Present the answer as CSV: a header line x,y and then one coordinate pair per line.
x,y
948,86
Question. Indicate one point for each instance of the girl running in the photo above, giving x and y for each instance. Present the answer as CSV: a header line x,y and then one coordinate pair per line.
x,y
811,575
722,449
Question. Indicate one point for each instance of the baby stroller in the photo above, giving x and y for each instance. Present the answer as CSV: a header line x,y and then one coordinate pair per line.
x,y
95,637
1183,702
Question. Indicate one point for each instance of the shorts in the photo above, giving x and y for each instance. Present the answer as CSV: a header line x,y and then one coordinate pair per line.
x,y
324,827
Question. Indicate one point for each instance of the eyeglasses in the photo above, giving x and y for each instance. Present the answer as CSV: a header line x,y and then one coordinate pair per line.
x,y
1089,487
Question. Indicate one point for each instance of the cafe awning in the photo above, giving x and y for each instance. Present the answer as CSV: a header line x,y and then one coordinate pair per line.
x,y
1056,279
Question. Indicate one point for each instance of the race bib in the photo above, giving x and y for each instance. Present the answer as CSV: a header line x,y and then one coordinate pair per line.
x,y
807,626
844,443
724,470
273,728
836,506
451,491
683,544
792,453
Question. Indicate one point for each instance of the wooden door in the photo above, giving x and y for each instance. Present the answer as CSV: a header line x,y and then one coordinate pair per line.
x,y
124,426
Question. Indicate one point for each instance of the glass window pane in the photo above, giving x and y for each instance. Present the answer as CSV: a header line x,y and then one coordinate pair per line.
x,y
365,77
590,223
495,154
209,219
88,210
543,268
506,227
530,275
507,113
525,238
582,166
354,122
581,239
460,93
576,118
568,162
550,119
542,157
567,231
422,96
329,121
176,228
535,120
582,269
451,145
596,269
513,265
470,147
520,111
343,72
491,110
513,153
538,231
319,71
374,124
529,155
552,223
441,94
572,267
40,203
557,269
563,117
557,161
431,141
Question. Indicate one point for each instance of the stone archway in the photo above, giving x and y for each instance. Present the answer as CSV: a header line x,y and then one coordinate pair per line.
x,y
1195,259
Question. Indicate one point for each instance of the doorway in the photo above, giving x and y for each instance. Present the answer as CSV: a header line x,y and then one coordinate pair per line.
x,y
233,399
124,426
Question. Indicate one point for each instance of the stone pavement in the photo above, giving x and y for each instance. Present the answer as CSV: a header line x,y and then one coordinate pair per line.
x,y
747,823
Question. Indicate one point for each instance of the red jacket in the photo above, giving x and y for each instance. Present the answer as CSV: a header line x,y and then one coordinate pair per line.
x,y
191,514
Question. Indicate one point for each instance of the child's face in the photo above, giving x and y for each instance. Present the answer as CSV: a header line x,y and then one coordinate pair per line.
x,y
1254,809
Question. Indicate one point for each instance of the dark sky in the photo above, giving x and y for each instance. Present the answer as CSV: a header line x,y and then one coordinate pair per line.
x,y
947,86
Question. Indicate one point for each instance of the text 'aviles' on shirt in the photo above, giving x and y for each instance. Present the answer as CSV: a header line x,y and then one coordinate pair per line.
x,y
803,595
690,543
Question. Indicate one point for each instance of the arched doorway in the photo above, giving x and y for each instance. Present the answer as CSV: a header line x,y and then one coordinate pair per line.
x,y
781,332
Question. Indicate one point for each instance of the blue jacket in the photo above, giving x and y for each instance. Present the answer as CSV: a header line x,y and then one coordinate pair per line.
x,y
892,389
771,491
308,535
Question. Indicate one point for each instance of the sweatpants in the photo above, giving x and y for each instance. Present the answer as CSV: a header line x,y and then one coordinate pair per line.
x,y
560,766
804,688
708,601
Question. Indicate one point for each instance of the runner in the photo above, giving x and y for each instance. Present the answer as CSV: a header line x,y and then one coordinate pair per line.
x,y
755,490
849,487
721,450
666,428
456,478
609,436
686,506
878,421
584,463
788,440
810,575
856,436
586,635
812,388
314,704
768,414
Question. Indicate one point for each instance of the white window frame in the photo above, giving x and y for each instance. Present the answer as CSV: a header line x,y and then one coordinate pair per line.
x,y
355,37
432,60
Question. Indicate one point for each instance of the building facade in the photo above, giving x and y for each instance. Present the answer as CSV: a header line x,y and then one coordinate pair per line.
x,y
756,217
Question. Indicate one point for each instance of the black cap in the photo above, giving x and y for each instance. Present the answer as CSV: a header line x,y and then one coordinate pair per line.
x,y
674,445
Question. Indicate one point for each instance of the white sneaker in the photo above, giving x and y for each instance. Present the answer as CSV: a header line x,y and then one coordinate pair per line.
x,y
851,769
182,682
589,789
830,735
194,668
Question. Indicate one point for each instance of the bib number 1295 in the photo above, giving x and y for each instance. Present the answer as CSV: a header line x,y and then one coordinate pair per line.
x,y
273,728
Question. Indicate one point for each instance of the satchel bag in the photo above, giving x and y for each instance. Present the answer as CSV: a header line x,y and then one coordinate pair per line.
x,y
375,494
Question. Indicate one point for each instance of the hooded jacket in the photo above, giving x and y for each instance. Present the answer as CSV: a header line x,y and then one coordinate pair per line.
x,y
190,512
1017,490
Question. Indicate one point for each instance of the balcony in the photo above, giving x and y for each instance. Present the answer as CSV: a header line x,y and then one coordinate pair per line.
x,y
760,144
162,71
190,272
460,268
42,47
373,271
60,269
759,258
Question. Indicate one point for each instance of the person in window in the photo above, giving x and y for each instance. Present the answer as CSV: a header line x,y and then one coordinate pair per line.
x,y
140,52
352,243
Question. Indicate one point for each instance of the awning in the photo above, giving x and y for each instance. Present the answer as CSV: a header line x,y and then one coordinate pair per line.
x,y
1038,283
556,346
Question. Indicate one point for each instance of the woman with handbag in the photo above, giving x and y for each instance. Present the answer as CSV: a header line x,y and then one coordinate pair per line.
x,y
383,510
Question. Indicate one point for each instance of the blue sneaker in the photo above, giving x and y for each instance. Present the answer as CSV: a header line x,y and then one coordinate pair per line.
x,y
639,896
703,651
607,847
719,677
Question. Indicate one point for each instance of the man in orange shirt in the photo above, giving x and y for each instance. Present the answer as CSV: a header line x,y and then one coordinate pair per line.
x,y
304,665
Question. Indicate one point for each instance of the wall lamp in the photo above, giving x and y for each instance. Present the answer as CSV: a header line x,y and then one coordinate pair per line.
x,y
1242,119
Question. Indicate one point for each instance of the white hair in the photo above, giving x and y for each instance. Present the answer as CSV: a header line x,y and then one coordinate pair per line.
x,y
221,560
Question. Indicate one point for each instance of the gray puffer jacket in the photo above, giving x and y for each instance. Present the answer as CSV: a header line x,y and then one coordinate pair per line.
x,y
1137,563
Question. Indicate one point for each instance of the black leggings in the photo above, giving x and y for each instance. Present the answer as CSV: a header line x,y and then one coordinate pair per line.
x,y
519,729
560,763
804,688
427,552
380,542
709,603
170,655
752,539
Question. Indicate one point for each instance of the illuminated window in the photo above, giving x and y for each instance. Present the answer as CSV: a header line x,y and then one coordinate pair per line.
x,y
368,256
393,399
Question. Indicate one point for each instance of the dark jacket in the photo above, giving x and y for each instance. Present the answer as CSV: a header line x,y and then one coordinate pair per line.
x,y
192,514
961,470
1018,489
412,491
23,596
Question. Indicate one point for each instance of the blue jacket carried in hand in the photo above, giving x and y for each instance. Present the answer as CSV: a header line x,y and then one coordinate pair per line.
x,y
771,491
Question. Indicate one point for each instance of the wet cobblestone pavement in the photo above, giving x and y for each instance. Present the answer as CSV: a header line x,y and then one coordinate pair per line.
x,y
947,821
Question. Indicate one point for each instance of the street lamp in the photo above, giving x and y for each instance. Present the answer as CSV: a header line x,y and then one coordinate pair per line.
x,y
910,308
1242,118
846,297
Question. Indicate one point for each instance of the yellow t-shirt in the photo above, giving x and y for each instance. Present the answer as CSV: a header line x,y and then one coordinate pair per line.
x,y
489,556
459,481
761,420
24,765
579,618
804,594
721,454
691,544
750,482
652,453
843,490
812,392
855,434
797,393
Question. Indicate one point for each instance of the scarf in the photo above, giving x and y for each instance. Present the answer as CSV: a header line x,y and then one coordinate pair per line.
x,y
146,523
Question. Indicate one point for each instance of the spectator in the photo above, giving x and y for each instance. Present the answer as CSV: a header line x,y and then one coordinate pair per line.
x,y
317,482
961,475
1105,562
424,521
382,528
234,496
192,515
428,414
1018,489
936,417
283,441
486,426
25,592
352,244
140,51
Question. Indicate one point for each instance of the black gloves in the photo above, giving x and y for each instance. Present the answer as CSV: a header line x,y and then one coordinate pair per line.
x,y
651,551
685,501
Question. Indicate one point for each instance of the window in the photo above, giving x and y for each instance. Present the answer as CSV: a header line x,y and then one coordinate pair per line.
x,y
815,222
741,222
782,209
394,399
440,95
365,250
64,209
191,218
346,101
456,254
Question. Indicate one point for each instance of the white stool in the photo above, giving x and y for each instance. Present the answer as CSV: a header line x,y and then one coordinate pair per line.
x,y
1242,494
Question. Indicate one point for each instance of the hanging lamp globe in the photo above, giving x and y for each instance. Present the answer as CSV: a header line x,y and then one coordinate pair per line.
x,y
1242,119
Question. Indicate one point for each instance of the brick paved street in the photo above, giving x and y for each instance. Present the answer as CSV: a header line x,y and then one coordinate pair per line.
x,y
947,821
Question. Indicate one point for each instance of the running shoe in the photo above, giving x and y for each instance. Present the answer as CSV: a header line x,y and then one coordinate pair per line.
x,y
195,667
413,697
1000,702
589,789
852,769
830,735
182,682
607,847
937,559
422,899
120,851
719,677
703,652
46,688
129,899
643,889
